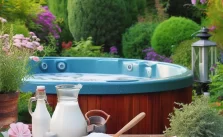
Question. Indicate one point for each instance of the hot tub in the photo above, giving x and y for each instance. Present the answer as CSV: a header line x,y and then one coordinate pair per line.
x,y
121,87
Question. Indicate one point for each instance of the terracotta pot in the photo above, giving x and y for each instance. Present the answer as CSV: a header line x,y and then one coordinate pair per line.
x,y
8,108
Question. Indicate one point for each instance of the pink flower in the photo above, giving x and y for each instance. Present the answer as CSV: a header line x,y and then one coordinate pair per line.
x,y
16,40
3,20
18,44
18,36
36,43
32,33
5,49
212,28
29,45
34,58
40,48
194,2
34,37
203,1
19,130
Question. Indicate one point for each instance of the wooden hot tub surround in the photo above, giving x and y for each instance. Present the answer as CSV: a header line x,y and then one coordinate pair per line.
x,y
123,108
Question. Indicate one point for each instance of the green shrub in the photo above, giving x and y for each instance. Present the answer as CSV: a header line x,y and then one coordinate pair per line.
x,y
21,9
18,28
182,53
171,32
59,9
197,119
104,20
137,38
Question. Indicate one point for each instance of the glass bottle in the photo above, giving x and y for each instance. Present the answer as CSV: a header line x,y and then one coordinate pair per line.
x,y
40,117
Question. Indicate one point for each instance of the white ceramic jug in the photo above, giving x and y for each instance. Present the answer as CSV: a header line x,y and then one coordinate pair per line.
x,y
67,119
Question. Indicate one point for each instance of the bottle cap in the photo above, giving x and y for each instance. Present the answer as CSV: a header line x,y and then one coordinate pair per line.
x,y
40,87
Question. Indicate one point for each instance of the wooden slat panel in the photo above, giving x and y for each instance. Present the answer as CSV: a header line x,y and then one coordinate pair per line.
x,y
123,108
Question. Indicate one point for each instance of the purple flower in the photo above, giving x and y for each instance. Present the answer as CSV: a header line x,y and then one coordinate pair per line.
x,y
212,69
194,2
113,50
152,55
47,20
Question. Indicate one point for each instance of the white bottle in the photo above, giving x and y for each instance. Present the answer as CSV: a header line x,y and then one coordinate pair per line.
x,y
40,117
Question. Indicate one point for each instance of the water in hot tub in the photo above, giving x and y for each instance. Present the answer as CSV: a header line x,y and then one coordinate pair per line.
x,y
83,77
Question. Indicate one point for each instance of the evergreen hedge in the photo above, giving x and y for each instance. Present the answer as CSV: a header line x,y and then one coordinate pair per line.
x,y
104,20
59,9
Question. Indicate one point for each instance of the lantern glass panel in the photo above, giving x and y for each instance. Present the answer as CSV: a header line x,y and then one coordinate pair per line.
x,y
204,60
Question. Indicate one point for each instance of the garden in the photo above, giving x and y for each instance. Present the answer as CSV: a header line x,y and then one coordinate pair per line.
x,y
161,57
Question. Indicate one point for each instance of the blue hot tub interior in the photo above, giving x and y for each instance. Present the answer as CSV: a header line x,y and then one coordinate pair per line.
x,y
108,75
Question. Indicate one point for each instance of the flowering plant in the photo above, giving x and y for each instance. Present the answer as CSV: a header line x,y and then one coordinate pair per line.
x,y
15,52
48,22
152,55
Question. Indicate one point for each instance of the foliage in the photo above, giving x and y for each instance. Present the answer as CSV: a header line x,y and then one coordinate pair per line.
x,y
216,85
171,32
85,48
182,53
104,20
184,8
59,9
47,20
20,9
214,20
197,119
23,114
134,9
18,28
50,48
137,38
152,55
15,51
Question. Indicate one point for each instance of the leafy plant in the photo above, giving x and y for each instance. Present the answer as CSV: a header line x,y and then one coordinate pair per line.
x,y
214,20
137,38
182,53
20,9
50,48
216,85
171,32
23,114
18,28
196,119
15,52
85,48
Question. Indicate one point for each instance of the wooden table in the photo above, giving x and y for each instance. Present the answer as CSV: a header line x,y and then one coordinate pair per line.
x,y
142,136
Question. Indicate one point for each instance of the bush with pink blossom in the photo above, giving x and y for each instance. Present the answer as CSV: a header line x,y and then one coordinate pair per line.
x,y
15,53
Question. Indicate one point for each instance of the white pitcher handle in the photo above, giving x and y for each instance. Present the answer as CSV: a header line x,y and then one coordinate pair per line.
x,y
30,105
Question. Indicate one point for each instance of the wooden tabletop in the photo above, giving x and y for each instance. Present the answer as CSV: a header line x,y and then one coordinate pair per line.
x,y
142,136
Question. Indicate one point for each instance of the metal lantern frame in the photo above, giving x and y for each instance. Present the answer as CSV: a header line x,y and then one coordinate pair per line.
x,y
204,56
